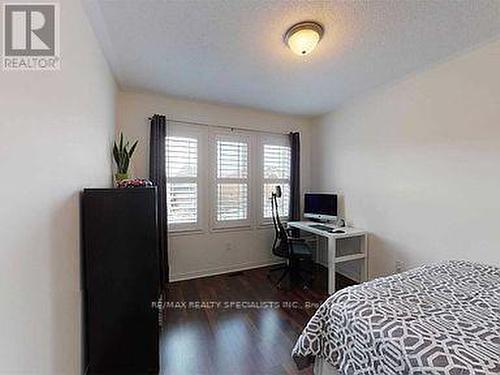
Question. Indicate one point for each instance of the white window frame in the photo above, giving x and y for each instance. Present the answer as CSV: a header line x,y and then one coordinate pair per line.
x,y
231,136
201,134
269,139
207,177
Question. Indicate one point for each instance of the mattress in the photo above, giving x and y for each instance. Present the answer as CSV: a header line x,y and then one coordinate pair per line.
x,y
436,319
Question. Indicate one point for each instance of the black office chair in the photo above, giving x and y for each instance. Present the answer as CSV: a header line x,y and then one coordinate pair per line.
x,y
293,249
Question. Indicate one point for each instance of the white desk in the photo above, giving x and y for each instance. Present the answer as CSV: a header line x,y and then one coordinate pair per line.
x,y
361,254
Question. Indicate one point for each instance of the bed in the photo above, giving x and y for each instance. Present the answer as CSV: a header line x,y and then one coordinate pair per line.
x,y
441,319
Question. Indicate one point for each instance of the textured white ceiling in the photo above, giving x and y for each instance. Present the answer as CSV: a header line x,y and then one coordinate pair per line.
x,y
233,52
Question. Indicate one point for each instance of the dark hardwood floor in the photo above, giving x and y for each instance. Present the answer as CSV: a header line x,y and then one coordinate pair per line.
x,y
245,325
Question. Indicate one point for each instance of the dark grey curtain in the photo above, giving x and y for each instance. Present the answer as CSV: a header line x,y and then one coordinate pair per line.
x,y
295,177
158,175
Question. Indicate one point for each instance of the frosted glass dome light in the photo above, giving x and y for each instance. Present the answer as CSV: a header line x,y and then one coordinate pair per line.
x,y
303,37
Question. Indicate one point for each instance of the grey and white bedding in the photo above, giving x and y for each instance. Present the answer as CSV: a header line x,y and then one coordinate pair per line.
x,y
438,319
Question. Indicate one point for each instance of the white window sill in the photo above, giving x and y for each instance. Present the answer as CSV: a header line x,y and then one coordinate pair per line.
x,y
269,222
185,232
230,228
175,232
265,226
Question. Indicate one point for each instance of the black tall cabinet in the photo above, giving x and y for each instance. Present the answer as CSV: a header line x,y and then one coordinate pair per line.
x,y
120,281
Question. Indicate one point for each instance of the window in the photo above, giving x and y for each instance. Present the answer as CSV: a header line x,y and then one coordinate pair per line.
x,y
276,171
182,180
232,177
219,179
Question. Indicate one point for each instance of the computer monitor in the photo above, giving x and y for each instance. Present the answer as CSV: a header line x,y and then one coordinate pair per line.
x,y
320,206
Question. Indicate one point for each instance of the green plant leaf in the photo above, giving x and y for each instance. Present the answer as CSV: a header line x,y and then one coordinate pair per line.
x,y
121,142
116,154
132,149
122,153
123,161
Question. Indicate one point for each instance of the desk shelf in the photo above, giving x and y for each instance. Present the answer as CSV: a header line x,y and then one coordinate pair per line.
x,y
348,258
344,250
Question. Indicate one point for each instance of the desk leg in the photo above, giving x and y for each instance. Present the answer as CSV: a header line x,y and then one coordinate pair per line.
x,y
331,265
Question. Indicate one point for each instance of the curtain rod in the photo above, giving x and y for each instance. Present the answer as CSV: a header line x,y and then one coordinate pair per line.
x,y
222,126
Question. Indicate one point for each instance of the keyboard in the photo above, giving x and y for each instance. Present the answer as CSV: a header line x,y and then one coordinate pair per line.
x,y
327,228
321,227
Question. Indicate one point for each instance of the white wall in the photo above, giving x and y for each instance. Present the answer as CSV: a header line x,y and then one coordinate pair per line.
x,y
208,253
418,163
55,131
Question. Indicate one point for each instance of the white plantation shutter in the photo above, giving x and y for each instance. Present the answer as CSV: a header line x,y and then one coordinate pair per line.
x,y
218,179
182,202
276,162
182,157
232,159
232,180
182,179
283,202
232,202
276,171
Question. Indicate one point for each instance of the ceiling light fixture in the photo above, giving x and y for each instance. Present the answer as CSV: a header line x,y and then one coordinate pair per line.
x,y
303,37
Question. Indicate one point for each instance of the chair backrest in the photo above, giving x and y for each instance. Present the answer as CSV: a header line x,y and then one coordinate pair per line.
x,y
281,245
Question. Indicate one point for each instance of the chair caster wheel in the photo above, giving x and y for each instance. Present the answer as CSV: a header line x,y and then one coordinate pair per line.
x,y
279,286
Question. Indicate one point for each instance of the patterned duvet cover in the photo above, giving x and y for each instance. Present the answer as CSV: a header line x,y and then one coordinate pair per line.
x,y
436,319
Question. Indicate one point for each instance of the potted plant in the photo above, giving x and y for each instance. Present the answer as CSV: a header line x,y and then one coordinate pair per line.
x,y
122,154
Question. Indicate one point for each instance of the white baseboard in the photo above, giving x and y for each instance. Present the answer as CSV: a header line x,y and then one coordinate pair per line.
x,y
221,270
